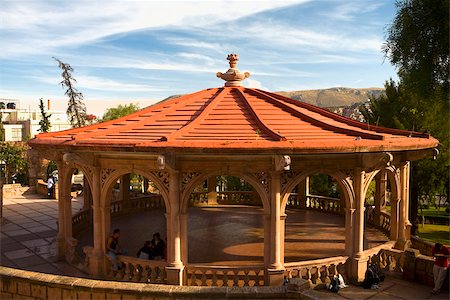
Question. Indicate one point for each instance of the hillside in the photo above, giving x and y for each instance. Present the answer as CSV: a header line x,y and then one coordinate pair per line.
x,y
332,97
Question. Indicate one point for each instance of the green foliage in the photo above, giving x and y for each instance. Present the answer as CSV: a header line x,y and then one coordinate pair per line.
x,y
417,44
13,154
323,185
119,111
44,123
233,183
76,110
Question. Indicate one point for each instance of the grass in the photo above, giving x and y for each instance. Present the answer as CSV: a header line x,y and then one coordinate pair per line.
x,y
433,212
435,233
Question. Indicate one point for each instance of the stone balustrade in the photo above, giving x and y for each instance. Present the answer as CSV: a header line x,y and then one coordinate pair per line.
x,y
81,220
425,247
22,284
139,270
385,222
318,271
227,197
327,204
225,276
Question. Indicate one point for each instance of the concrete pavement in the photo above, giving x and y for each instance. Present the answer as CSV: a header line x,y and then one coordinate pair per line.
x,y
28,242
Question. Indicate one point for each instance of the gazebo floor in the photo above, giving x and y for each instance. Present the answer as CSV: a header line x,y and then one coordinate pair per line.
x,y
230,235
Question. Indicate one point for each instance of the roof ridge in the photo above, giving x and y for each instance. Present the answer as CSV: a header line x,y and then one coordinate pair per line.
x,y
347,120
217,97
311,120
267,130
180,102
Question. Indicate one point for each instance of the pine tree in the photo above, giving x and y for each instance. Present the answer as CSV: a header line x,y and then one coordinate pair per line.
x,y
76,110
44,123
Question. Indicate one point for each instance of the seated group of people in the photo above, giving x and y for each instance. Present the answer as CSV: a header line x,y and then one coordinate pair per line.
x,y
154,249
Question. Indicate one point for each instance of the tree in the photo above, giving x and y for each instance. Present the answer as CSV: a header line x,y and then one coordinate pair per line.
x,y
44,123
76,110
417,44
13,154
119,111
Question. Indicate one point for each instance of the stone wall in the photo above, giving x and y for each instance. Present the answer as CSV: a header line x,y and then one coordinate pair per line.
x,y
13,190
20,284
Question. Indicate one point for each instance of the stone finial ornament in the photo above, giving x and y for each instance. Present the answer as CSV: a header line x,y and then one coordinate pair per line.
x,y
233,76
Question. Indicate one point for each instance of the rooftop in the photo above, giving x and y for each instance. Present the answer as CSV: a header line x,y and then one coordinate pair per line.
x,y
234,117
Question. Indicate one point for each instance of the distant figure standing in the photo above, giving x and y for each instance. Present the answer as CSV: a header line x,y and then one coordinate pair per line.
x,y
50,187
440,253
158,246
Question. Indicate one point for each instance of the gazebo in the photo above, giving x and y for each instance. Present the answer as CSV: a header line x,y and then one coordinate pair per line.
x,y
273,142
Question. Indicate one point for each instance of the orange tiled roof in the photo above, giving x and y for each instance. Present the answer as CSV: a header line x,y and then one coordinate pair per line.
x,y
236,118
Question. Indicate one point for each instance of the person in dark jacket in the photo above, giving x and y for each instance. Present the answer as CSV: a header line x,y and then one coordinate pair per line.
x,y
158,247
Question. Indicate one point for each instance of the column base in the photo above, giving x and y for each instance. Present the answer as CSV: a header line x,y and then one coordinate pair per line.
x,y
175,275
402,244
60,248
358,267
95,263
274,277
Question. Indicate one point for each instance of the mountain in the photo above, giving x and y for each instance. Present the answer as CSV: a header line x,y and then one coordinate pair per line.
x,y
333,97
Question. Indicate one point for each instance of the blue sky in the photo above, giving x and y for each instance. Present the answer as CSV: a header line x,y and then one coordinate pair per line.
x,y
144,51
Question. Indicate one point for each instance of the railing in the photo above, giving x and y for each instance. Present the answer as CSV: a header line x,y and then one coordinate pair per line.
x,y
316,271
227,197
424,247
388,260
81,220
139,270
200,275
198,198
385,222
147,202
326,204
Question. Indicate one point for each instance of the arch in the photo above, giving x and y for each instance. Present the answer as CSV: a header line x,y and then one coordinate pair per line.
x,y
263,194
115,175
341,178
394,179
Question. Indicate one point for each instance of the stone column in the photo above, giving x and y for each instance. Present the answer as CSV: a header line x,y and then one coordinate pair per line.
x,y
212,194
175,268
184,238
87,194
61,237
394,219
267,246
303,192
404,225
276,270
96,260
359,262
349,221
124,190
380,196
282,237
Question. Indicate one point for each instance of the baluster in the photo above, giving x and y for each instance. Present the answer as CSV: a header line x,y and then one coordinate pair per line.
x,y
127,276
308,275
144,275
203,278
214,278
235,278
137,273
193,279
153,274
225,278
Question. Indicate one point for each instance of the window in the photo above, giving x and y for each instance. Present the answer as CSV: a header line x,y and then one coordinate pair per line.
x,y
16,134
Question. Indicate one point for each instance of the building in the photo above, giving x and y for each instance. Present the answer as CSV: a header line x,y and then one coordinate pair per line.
x,y
272,142
21,124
